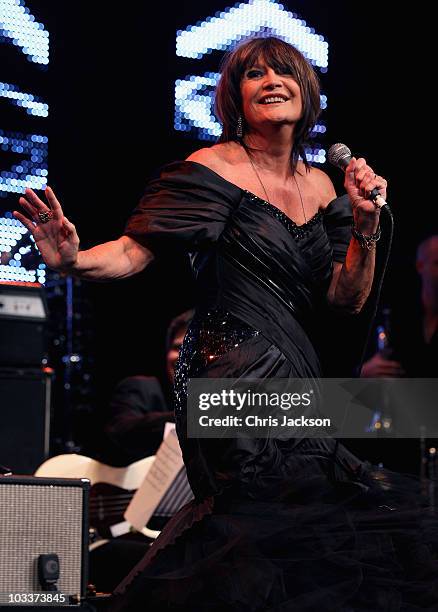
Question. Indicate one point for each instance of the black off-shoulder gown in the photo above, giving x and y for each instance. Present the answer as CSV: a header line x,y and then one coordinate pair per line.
x,y
276,525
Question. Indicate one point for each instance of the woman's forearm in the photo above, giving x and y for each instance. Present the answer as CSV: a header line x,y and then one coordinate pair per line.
x,y
111,260
352,281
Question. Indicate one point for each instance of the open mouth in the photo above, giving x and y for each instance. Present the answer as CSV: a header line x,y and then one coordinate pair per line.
x,y
273,100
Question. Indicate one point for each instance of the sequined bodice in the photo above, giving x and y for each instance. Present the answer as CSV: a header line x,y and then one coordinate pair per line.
x,y
298,231
248,292
260,282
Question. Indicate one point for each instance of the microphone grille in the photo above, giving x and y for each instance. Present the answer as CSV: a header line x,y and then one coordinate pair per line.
x,y
339,155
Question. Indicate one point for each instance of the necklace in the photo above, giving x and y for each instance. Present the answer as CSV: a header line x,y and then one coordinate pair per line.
x,y
264,189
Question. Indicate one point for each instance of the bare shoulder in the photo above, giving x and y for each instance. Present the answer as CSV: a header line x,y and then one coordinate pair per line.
x,y
219,157
214,157
206,156
322,185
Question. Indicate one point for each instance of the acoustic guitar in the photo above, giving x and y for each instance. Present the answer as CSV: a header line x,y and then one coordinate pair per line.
x,y
112,488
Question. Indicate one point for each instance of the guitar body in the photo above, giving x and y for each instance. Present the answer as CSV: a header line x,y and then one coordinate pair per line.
x,y
107,506
78,466
111,487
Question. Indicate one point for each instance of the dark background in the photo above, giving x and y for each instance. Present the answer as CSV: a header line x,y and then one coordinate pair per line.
x,y
110,86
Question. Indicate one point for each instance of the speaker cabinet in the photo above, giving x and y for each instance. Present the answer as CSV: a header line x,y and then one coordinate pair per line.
x,y
25,418
45,517
23,324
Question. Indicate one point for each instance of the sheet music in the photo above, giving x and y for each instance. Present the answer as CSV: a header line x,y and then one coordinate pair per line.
x,y
161,474
168,427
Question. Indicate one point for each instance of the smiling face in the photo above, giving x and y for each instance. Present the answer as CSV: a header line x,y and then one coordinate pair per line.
x,y
269,96
261,66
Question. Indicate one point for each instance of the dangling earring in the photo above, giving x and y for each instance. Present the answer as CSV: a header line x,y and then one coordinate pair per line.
x,y
239,127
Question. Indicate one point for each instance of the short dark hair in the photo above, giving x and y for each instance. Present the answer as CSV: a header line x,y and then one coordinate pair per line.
x,y
177,325
280,56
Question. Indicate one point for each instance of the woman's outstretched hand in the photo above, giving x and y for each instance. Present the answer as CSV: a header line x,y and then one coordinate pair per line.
x,y
54,235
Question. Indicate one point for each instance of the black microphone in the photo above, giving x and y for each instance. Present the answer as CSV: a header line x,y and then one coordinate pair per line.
x,y
340,155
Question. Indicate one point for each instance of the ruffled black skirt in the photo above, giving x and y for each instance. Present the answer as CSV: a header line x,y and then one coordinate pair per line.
x,y
344,538
293,525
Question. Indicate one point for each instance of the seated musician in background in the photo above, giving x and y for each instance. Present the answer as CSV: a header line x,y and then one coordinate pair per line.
x,y
413,337
410,349
140,407
134,428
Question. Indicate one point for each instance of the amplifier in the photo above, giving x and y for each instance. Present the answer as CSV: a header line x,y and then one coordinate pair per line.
x,y
25,418
23,324
43,540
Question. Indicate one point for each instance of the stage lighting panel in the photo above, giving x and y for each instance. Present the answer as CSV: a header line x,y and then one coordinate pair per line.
x,y
18,26
33,104
194,104
24,146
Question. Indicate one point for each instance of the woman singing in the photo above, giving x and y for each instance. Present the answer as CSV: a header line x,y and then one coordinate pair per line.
x,y
276,524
